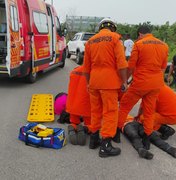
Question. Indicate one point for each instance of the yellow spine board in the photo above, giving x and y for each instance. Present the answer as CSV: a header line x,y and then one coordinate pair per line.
x,y
41,108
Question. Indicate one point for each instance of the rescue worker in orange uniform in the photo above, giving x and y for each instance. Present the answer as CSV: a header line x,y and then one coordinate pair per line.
x,y
134,131
147,64
165,112
78,106
106,69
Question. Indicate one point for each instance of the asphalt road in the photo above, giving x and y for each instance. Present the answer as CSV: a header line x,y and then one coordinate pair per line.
x,y
19,162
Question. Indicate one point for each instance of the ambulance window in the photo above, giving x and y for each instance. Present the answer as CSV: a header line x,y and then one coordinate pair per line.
x,y
57,23
14,18
40,21
58,26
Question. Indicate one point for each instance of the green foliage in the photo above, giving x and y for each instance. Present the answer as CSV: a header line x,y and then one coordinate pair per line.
x,y
165,32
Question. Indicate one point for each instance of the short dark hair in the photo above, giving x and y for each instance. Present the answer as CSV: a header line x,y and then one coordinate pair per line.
x,y
143,29
174,60
128,36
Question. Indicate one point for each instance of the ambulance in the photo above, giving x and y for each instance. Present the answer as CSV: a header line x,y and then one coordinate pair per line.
x,y
31,39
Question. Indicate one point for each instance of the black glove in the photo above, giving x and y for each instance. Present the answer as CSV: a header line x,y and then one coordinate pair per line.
x,y
146,141
64,118
124,87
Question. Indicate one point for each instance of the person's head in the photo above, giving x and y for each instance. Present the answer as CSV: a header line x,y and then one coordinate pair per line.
x,y
174,60
143,30
127,36
108,24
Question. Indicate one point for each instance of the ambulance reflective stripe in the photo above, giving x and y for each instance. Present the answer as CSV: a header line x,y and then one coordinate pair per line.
x,y
35,53
3,67
22,47
4,72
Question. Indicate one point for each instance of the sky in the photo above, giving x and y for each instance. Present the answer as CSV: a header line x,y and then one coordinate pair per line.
x,y
158,12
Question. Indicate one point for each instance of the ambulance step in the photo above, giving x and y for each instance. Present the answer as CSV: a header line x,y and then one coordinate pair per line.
x,y
41,108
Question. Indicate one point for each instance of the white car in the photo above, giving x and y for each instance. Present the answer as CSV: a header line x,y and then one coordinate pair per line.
x,y
76,45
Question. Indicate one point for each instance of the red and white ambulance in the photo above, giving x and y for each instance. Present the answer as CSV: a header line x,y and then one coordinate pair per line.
x,y
31,39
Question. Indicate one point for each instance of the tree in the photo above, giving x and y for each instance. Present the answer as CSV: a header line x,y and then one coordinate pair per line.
x,y
165,32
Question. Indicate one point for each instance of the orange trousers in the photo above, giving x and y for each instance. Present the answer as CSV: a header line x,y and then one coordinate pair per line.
x,y
75,119
130,98
158,120
104,112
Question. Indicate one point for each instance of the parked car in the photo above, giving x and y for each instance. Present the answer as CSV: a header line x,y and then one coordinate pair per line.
x,y
76,45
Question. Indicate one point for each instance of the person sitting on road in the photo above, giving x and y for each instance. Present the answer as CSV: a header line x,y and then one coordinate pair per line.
x,y
134,131
78,106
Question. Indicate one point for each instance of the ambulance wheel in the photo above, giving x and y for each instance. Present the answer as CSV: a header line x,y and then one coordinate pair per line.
x,y
63,60
79,58
31,77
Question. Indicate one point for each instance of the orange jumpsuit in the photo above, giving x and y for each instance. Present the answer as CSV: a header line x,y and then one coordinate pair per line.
x,y
148,58
78,101
104,55
165,108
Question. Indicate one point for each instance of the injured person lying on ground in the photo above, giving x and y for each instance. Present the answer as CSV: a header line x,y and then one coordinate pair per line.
x,y
134,131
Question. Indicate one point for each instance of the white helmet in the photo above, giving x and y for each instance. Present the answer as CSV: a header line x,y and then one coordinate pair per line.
x,y
107,22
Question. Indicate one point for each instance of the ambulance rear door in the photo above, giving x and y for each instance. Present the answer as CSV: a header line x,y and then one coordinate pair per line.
x,y
39,34
13,38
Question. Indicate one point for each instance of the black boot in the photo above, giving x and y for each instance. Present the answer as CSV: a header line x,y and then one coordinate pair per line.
x,y
166,131
86,130
81,135
172,151
72,135
143,153
94,140
106,149
116,138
